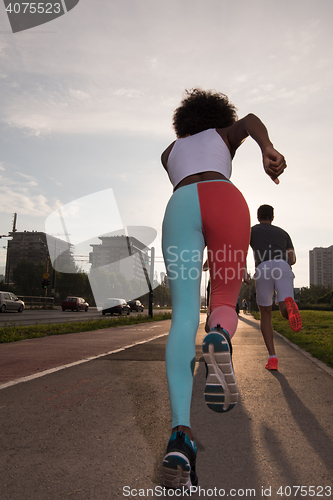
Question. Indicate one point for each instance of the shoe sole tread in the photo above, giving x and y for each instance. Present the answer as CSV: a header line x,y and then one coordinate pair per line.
x,y
177,470
221,390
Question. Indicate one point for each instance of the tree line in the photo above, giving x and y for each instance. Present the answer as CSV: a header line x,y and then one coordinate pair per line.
x,y
313,297
28,276
27,280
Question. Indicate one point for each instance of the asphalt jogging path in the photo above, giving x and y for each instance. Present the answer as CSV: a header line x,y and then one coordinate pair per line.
x,y
98,429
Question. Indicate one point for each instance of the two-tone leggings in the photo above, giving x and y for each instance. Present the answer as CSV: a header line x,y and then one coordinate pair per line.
x,y
213,214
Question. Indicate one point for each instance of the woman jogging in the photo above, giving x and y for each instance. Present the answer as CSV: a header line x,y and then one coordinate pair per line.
x,y
206,209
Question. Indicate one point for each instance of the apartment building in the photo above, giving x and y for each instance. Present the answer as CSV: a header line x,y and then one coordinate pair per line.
x,y
34,246
121,254
321,266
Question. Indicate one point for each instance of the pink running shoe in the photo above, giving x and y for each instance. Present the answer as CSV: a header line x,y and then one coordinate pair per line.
x,y
295,320
272,364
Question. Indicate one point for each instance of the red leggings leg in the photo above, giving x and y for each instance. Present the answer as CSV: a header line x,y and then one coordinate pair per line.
x,y
226,228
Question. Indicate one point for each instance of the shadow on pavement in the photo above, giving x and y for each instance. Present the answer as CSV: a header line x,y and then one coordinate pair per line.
x,y
249,321
308,424
226,449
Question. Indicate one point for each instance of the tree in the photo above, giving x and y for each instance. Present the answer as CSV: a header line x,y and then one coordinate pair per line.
x,y
248,292
310,295
326,299
161,294
70,284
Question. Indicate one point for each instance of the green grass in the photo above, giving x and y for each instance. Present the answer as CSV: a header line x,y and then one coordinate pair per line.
x,y
11,333
316,336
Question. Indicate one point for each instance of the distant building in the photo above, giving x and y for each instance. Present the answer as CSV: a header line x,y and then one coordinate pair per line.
x,y
321,266
121,255
164,279
32,246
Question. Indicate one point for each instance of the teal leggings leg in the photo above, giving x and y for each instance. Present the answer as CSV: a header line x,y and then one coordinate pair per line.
x,y
183,244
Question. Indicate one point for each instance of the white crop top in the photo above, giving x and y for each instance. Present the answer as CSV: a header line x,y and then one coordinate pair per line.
x,y
202,152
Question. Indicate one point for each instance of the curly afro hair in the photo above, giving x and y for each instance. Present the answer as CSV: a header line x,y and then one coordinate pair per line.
x,y
201,110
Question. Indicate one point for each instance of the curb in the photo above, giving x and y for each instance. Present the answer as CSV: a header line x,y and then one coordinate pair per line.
x,y
314,360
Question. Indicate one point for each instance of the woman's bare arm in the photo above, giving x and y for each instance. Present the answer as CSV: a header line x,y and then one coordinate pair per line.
x,y
273,161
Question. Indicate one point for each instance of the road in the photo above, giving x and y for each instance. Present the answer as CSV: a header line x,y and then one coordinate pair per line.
x,y
32,357
40,317
97,429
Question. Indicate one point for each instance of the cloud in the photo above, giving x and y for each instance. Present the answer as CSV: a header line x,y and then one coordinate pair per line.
x,y
129,93
124,78
24,204
55,181
79,95
29,178
93,108
303,41
20,193
290,95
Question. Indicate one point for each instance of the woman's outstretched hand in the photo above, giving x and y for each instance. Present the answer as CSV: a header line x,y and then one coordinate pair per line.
x,y
274,163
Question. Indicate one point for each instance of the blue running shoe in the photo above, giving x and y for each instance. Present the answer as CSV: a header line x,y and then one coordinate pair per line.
x,y
179,462
221,391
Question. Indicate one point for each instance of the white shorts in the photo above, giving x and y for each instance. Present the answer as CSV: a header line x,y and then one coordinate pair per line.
x,y
273,275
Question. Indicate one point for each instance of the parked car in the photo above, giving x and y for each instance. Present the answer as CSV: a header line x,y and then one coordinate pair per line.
x,y
136,305
9,302
74,304
116,306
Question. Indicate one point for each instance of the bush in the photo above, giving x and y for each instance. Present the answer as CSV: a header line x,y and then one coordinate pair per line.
x,y
326,299
315,307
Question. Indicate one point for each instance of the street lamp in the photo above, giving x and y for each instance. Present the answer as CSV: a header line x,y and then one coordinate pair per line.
x,y
149,279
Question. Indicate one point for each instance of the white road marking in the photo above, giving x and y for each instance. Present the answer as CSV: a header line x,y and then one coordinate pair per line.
x,y
75,363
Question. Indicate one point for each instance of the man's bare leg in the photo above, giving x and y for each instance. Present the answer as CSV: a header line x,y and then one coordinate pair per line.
x,y
267,328
283,310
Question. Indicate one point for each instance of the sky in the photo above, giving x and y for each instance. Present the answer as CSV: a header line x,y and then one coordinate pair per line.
x,y
86,104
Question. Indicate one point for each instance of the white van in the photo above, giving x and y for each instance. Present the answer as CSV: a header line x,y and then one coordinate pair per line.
x,y
9,302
